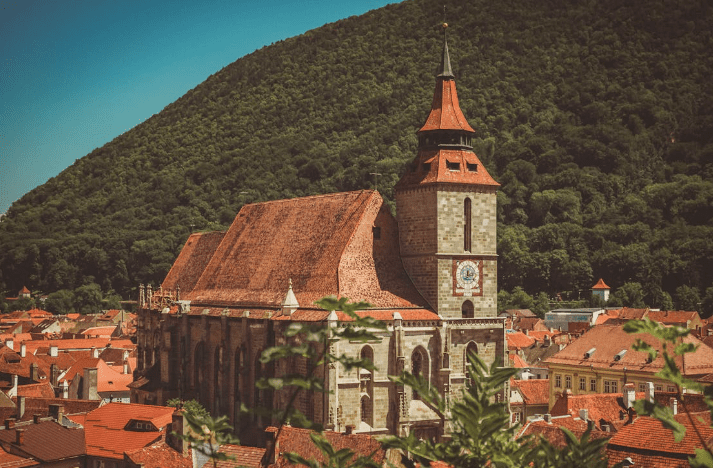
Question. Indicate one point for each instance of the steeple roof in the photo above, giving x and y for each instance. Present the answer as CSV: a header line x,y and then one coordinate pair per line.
x,y
445,111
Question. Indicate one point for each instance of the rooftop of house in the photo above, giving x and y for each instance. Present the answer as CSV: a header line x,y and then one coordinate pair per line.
x,y
9,460
36,390
534,391
518,340
647,441
158,455
242,456
106,429
108,378
600,285
551,429
610,347
292,439
602,408
517,362
671,317
46,441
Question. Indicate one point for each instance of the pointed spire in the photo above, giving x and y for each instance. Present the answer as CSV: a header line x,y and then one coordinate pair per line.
x,y
445,70
290,303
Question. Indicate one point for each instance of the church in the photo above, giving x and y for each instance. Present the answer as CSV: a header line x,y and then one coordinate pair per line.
x,y
430,274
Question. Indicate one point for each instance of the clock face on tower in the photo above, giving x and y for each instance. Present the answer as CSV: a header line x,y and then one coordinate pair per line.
x,y
468,277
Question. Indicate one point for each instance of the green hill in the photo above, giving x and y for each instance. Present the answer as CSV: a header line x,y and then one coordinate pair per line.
x,y
596,117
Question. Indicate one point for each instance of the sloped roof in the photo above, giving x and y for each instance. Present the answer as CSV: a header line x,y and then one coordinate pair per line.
x,y
8,460
552,432
323,243
517,362
646,440
611,339
158,455
439,172
47,441
242,456
533,391
671,317
192,260
445,113
518,340
37,390
105,433
292,439
608,407
108,379
600,285
40,406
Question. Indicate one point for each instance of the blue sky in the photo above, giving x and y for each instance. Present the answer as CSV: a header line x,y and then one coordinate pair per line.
x,y
74,74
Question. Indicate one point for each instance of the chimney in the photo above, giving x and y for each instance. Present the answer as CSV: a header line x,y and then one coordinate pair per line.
x,y
126,367
527,332
178,427
650,392
273,446
33,372
350,429
95,352
56,412
54,375
23,350
126,355
584,414
629,395
548,418
89,384
36,418
20,407
13,391
19,436
10,343
65,389
9,423
673,404
54,351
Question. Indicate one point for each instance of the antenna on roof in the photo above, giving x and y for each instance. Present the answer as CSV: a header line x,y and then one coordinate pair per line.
x,y
376,179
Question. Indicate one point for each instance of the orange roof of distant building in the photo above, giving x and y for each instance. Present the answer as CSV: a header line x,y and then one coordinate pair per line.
x,y
292,439
602,408
552,432
159,455
9,460
105,428
533,391
37,390
647,441
518,340
609,340
108,378
600,285
48,442
673,317
242,456
517,362
99,331
24,290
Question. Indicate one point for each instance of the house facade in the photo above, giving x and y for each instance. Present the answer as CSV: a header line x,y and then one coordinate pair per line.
x,y
430,274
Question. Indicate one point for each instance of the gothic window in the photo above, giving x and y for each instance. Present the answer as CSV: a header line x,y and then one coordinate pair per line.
x,y
466,224
218,379
198,366
467,309
236,385
366,410
365,376
419,367
471,348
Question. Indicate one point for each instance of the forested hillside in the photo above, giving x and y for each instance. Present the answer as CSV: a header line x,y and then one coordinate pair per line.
x,y
595,116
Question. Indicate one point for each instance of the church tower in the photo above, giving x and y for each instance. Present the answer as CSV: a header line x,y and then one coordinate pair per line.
x,y
446,209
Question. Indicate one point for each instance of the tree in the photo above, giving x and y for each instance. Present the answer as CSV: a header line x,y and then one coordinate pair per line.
x,y
23,303
191,406
630,295
687,298
88,299
60,302
206,435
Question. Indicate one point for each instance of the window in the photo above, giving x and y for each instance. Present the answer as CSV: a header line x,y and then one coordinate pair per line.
x,y
377,232
642,387
659,388
426,167
558,381
419,367
582,384
516,417
467,224
453,166
568,381
592,385
467,309
472,167
611,386
366,409
671,389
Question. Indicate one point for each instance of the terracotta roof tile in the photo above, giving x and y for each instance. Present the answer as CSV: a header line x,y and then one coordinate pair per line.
x,y
611,339
323,243
439,172
38,390
445,111
40,406
8,460
47,441
600,285
158,455
242,456
677,317
518,340
552,432
602,408
517,362
108,379
192,260
297,440
105,428
534,391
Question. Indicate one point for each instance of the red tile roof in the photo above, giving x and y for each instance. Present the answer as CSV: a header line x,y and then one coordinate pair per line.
x,y
47,441
242,456
323,243
41,405
8,460
518,340
517,362
105,428
609,340
292,439
445,111
108,379
602,408
600,285
192,260
158,455
552,432
649,442
673,317
439,171
534,391
38,390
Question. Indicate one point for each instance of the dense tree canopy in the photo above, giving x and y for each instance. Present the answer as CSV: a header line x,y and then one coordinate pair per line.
x,y
596,117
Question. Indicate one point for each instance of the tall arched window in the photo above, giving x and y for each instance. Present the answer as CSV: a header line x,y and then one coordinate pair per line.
x,y
366,410
198,366
467,224
237,367
218,380
419,367
467,309
471,348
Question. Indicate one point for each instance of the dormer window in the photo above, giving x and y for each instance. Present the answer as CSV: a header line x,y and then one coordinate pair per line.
x,y
472,167
453,166
376,230
426,167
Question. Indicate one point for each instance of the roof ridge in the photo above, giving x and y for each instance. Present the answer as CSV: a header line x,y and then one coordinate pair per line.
x,y
323,195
